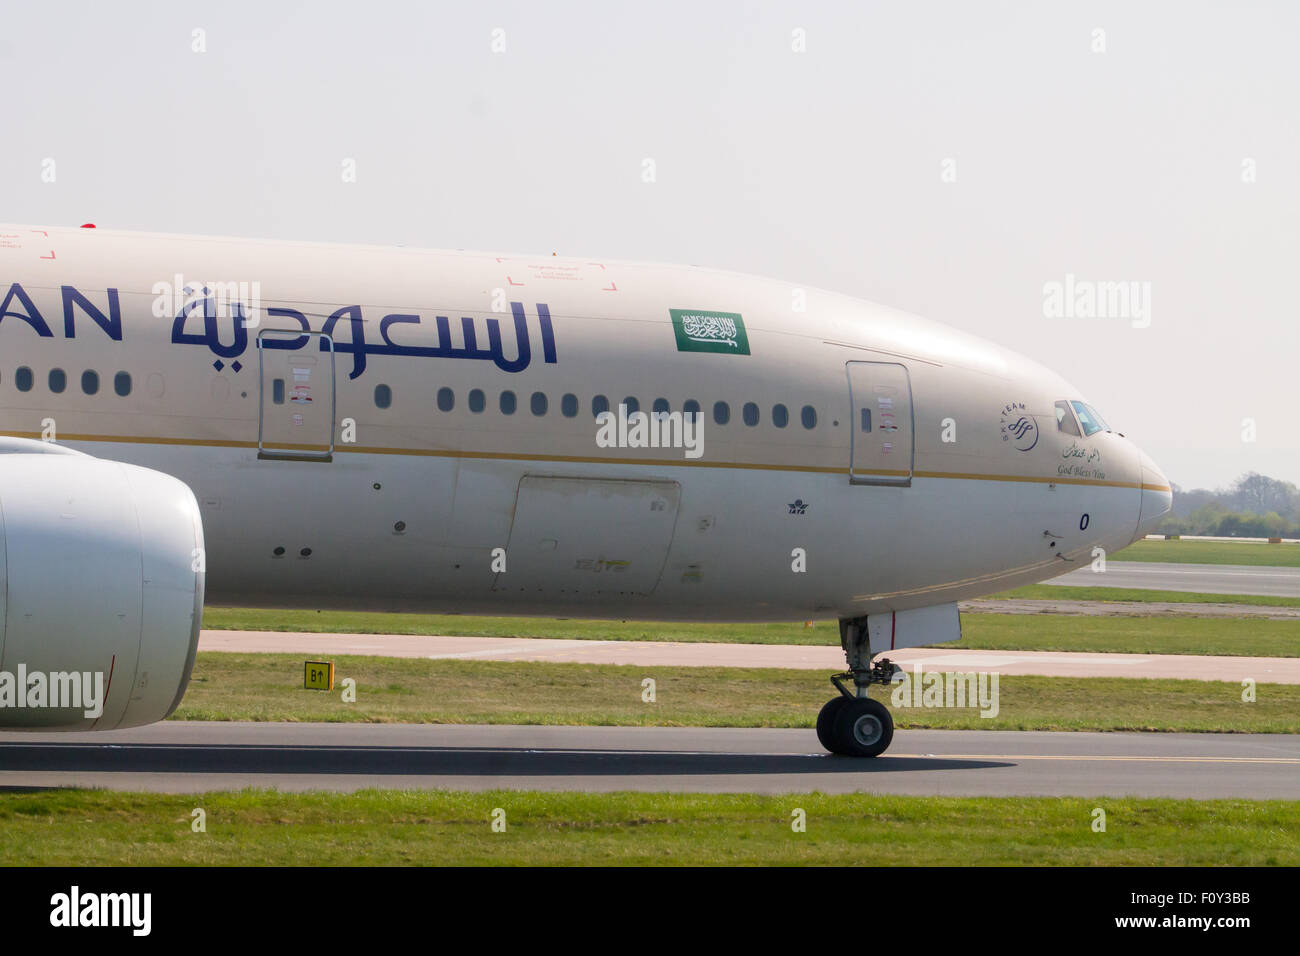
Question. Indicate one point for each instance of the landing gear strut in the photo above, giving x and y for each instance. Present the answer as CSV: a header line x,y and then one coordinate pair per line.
x,y
852,723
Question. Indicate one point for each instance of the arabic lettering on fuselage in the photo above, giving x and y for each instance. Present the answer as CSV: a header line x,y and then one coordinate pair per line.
x,y
1075,450
351,319
205,329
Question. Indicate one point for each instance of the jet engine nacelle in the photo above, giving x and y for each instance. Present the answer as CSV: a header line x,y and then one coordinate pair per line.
x,y
101,590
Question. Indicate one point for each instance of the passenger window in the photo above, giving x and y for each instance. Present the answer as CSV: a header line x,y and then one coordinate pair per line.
x,y
90,382
750,414
569,405
538,404
599,405
633,406
866,419
1065,419
661,406
58,380
809,416
477,400
277,392
780,416
446,399
721,413
122,384
690,407
383,394
508,403
23,379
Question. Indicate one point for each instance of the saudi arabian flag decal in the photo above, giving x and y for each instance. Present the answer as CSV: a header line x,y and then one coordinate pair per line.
x,y
700,331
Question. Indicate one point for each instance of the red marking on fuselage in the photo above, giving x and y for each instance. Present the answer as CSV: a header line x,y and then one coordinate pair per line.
x,y
46,235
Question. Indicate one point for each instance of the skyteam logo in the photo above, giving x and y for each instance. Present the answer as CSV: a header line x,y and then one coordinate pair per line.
x,y
700,331
1019,427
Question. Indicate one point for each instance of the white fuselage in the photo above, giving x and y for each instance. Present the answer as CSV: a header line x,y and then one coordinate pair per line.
x,y
332,433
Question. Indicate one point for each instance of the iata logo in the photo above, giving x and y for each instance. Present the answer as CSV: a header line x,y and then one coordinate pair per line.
x,y
1019,427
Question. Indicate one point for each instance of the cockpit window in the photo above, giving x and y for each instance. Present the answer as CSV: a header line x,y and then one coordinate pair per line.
x,y
1065,419
1089,419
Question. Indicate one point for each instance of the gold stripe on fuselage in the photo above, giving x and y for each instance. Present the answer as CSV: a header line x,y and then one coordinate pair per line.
x,y
578,459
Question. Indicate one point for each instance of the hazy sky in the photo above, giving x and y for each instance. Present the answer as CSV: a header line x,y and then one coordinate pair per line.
x,y
944,158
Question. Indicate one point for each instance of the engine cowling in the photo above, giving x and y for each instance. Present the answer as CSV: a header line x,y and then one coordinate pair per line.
x,y
101,573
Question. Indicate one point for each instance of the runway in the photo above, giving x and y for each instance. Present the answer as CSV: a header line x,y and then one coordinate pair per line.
x,y
1269,670
1203,578
194,757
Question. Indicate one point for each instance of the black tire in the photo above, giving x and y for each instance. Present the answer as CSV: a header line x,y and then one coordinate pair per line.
x,y
826,721
862,728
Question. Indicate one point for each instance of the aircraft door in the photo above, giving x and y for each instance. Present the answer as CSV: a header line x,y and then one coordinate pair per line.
x,y
296,406
881,429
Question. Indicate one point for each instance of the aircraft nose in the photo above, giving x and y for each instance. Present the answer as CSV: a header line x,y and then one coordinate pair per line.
x,y
1157,497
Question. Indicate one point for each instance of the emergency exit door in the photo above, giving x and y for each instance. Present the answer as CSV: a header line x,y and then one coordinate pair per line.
x,y
296,408
882,431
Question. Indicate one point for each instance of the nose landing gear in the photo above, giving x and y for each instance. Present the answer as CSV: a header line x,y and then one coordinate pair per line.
x,y
852,724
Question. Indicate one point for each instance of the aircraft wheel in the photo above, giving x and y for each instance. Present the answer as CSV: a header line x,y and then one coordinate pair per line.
x,y
862,728
826,721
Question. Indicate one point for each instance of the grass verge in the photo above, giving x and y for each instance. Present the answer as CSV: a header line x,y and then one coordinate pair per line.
x,y
86,827
1058,592
1228,636
1212,552
394,690
468,625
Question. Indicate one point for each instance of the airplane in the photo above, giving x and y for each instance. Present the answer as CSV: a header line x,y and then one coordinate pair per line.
x,y
305,425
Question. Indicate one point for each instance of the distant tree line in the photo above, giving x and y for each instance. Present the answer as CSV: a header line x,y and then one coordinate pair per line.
x,y
1255,506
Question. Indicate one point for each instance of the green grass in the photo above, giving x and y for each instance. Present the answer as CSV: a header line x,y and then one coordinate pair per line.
x,y
466,625
1212,552
268,687
1056,592
1021,632
95,828
1227,636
